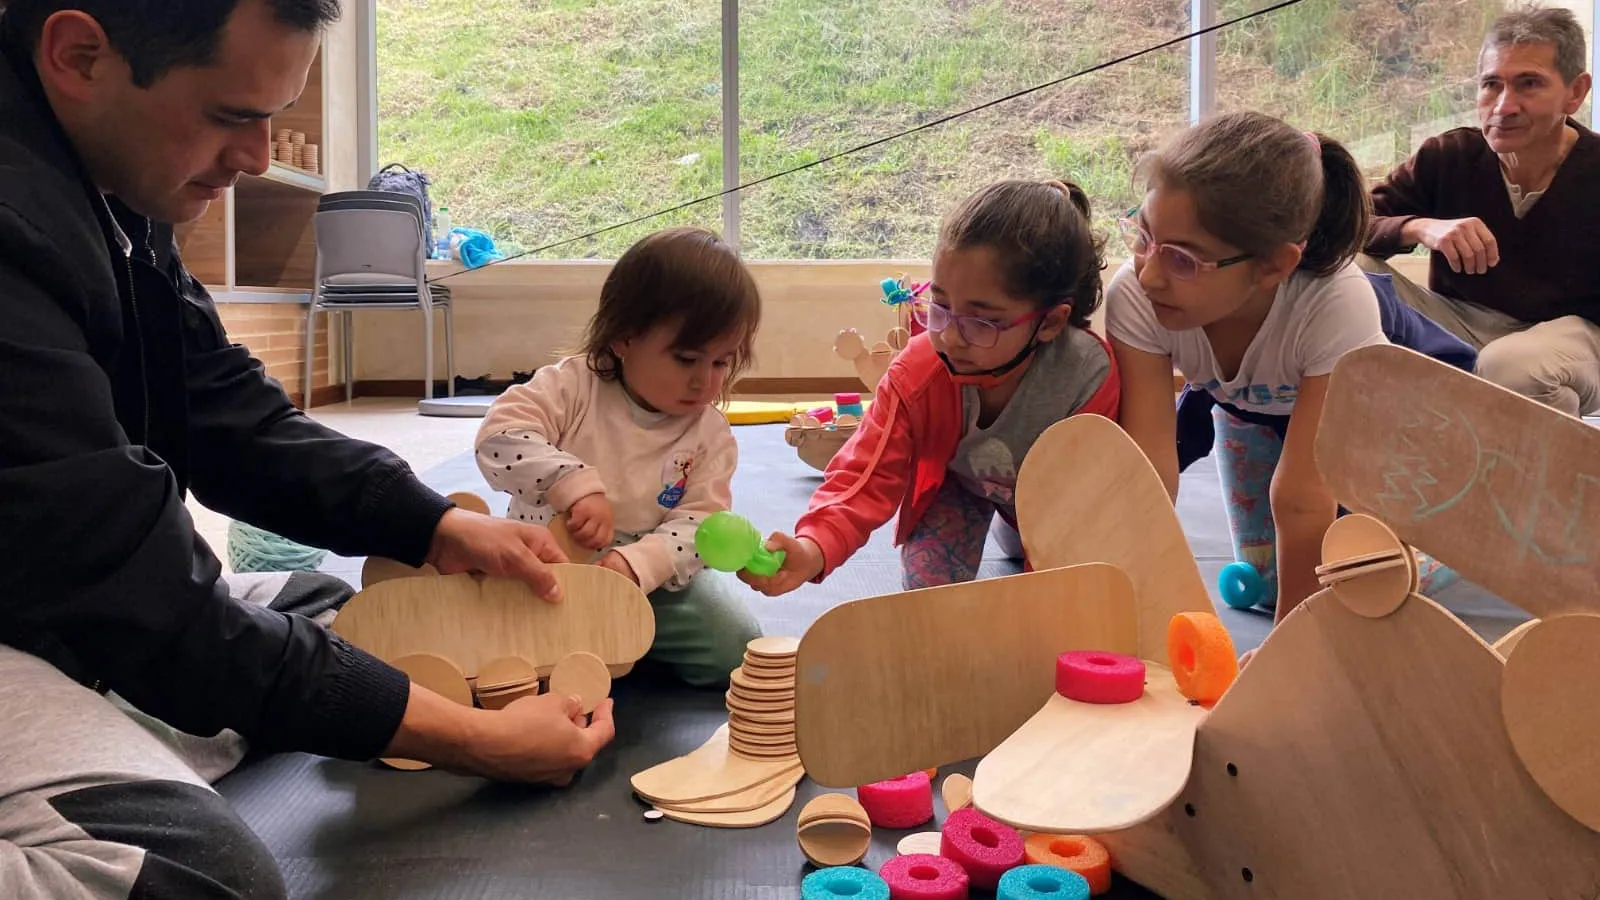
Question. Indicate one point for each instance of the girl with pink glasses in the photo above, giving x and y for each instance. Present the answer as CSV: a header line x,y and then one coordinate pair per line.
x,y
1243,279
1006,352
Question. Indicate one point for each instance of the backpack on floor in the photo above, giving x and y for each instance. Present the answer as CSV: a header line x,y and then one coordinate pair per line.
x,y
396,177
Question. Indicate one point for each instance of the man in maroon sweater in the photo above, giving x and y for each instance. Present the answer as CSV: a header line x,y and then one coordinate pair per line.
x,y
1510,210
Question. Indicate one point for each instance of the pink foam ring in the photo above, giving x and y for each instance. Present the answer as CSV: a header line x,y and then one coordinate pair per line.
x,y
923,876
985,848
823,414
904,802
1094,676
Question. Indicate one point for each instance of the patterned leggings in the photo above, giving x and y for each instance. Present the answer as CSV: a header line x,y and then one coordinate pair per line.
x,y
1247,455
947,545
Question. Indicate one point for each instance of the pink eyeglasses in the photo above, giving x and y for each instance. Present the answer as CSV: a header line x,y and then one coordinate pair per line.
x,y
1178,262
977,331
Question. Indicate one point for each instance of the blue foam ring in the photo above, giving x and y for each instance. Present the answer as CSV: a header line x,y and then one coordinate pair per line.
x,y
1240,585
1040,882
838,882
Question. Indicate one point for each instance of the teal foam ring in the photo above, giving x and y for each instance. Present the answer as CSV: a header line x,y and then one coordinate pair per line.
x,y
1240,585
1039,882
840,882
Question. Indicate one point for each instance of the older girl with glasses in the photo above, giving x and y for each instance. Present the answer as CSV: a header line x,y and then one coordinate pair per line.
x,y
1005,352
1243,279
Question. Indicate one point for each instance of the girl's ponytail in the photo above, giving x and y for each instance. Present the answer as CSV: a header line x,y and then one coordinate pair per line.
x,y
1341,227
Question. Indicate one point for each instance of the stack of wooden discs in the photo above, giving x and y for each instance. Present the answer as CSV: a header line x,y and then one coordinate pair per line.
x,y
833,830
309,158
761,701
502,680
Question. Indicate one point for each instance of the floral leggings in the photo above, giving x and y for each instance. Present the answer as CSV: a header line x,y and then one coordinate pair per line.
x,y
946,546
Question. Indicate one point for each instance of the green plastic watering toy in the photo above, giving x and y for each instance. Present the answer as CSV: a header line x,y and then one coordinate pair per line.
x,y
728,542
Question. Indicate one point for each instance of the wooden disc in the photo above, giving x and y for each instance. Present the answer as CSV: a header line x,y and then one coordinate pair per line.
x,y
506,696
743,704
956,791
832,805
740,726
923,842
439,675
583,675
828,844
1509,641
1548,700
743,682
1380,592
505,671
756,667
469,501
783,717
773,647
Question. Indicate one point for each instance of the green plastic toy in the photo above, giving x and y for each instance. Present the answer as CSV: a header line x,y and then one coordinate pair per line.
x,y
728,542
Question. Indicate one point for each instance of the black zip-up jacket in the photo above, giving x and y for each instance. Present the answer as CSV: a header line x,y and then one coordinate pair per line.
x,y
119,391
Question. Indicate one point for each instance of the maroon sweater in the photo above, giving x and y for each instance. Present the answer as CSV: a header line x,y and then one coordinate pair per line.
x,y
1548,265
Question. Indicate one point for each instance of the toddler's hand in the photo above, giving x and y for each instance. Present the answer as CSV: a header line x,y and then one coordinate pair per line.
x,y
802,561
616,562
589,522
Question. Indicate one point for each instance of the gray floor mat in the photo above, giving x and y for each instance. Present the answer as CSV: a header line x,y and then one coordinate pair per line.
x,y
352,832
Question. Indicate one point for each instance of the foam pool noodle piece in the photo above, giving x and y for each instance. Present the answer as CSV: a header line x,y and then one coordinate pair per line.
x,y
924,876
728,542
843,881
904,802
1094,676
985,848
1038,882
1202,657
1075,853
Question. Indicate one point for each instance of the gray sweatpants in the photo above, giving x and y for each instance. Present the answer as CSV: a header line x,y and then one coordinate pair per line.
x,y
98,801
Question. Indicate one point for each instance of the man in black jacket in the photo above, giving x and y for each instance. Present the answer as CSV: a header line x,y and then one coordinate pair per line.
x,y
119,392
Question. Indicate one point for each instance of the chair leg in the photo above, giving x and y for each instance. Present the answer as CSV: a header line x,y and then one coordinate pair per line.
x,y
449,351
348,329
427,351
311,354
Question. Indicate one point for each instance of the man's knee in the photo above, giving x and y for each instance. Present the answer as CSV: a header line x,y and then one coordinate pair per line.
x,y
1520,363
195,845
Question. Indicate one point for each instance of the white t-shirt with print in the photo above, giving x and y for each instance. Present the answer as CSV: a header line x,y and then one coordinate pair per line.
x,y
1313,321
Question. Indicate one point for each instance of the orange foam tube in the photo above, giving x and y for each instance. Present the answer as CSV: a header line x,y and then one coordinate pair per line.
x,y
1201,654
1073,852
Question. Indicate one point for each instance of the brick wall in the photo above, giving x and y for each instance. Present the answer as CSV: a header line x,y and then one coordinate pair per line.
x,y
276,335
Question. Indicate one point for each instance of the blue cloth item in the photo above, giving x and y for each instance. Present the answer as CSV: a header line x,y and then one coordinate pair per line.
x,y
473,247
1039,882
844,881
1405,327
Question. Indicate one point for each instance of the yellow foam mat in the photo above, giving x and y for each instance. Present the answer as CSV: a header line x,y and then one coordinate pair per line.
x,y
764,412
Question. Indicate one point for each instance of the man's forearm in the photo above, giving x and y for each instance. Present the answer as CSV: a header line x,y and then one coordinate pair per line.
x,y
435,730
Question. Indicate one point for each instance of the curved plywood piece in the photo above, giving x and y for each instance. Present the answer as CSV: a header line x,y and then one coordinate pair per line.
x,y
473,621
1083,768
1087,493
1509,641
1361,757
1548,700
893,684
378,569
1500,488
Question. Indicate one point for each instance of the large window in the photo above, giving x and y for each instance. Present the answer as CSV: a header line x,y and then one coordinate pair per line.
x,y
542,121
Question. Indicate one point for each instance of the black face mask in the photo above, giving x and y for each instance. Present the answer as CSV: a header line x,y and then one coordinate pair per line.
x,y
990,378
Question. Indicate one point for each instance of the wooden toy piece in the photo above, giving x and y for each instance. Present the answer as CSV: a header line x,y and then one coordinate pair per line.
x,y
378,569
956,792
751,818
1452,460
757,796
473,620
504,680
1419,779
583,675
1087,767
500,698
469,501
1548,700
575,552
944,674
815,444
1365,565
1512,638
439,675
833,830
898,338
871,364
708,773
761,701
1086,469
921,842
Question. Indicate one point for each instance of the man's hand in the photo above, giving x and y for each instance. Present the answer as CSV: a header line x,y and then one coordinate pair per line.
x,y
541,740
802,561
616,562
589,522
1466,244
467,541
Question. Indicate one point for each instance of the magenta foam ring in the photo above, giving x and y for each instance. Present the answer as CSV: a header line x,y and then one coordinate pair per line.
x,y
924,876
904,802
1094,676
985,848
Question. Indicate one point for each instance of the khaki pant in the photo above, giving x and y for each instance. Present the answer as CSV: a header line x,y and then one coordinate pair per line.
x,y
1556,363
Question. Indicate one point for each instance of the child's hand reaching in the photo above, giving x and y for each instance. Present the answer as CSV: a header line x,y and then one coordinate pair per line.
x,y
802,561
616,562
589,522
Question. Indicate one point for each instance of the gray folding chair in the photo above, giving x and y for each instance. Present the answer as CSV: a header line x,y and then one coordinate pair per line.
x,y
371,255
